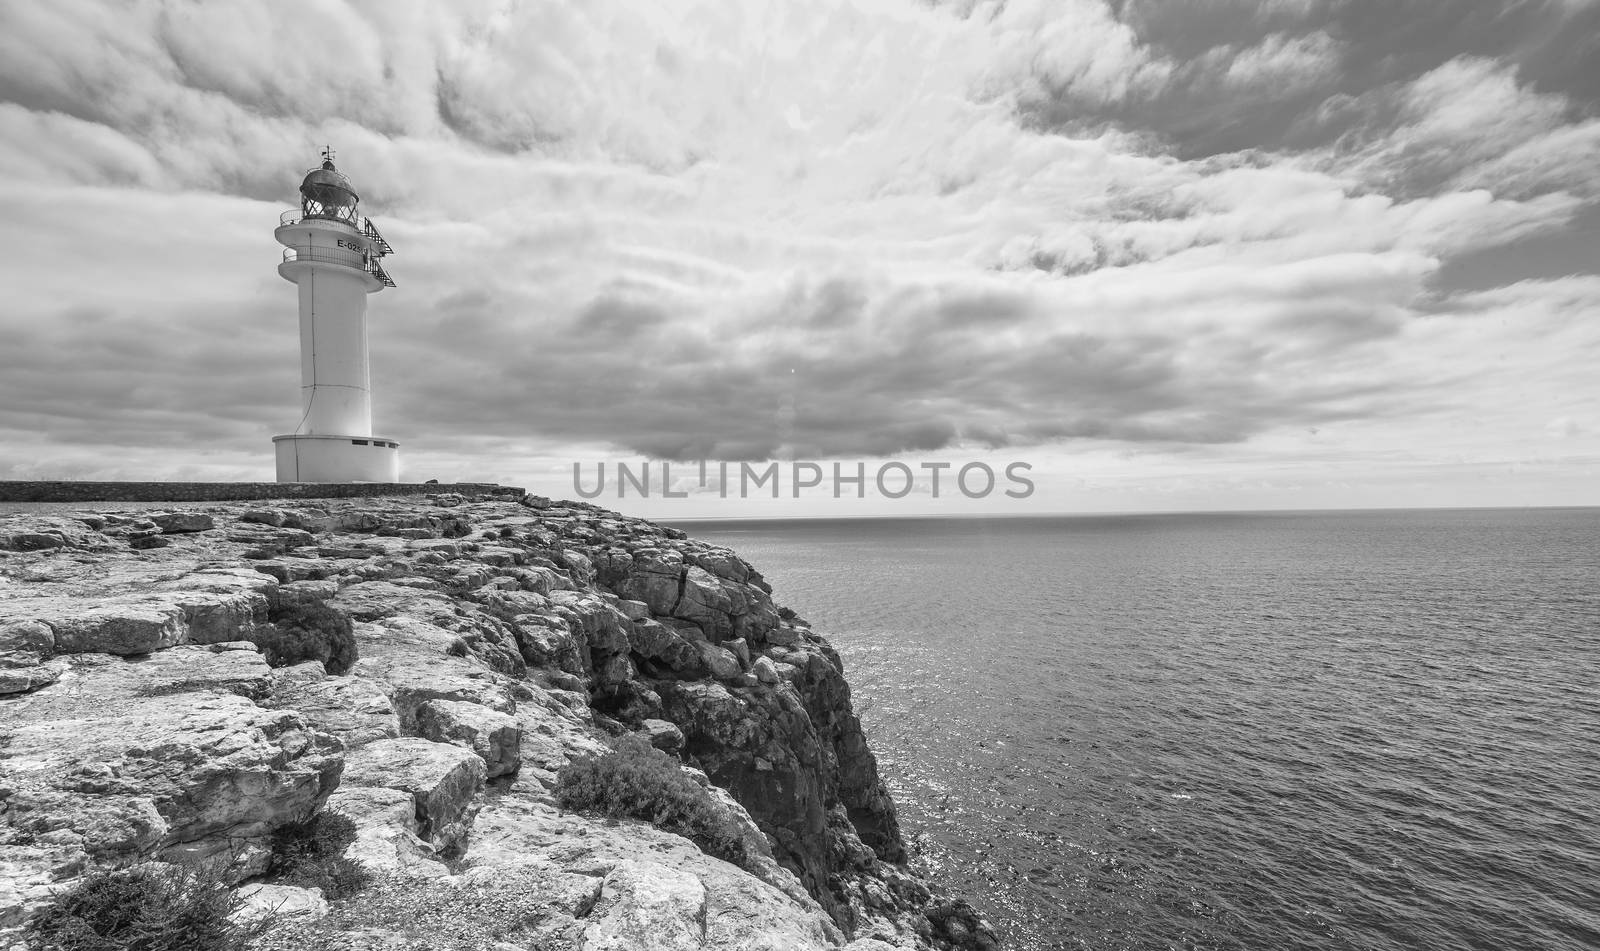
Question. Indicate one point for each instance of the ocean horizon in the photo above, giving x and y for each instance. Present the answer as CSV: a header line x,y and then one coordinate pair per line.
x,y
1360,729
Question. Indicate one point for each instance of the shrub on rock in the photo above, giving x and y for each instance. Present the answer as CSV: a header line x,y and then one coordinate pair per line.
x,y
308,631
311,855
146,908
635,780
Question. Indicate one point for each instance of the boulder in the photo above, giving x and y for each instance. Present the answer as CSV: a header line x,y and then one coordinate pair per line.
x,y
442,779
413,678
721,661
180,523
118,626
647,905
494,736
26,635
300,593
46,533
663,735
548,641
703,901
17,675
671,587
509,604
212,617
386,830
25,649
599,624
668,646
263,541
633,610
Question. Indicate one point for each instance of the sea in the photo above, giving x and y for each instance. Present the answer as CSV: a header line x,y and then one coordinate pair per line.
x,y
1317,730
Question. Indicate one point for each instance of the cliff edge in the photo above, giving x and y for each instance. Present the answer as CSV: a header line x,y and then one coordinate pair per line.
x,y
152,711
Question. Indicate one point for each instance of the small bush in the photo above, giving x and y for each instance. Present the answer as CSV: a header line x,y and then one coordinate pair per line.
x,y
310,631
636,780
311,855
146,908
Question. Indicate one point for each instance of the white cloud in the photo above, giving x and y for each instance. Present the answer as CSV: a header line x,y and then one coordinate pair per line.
x,y
1467,124
1282,64
625,224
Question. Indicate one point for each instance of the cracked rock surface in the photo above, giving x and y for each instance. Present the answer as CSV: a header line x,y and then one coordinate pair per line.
x,y
497,640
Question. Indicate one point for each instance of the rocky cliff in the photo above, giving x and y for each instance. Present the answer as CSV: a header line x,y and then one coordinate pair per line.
x,y
494,641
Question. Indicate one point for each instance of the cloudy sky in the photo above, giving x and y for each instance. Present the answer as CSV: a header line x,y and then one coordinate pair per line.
x,y
1197,255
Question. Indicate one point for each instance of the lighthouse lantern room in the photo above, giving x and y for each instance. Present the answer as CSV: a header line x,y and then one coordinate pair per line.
x,y
333,256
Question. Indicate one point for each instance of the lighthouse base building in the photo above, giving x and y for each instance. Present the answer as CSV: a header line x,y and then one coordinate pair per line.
x,y
337,459
333,256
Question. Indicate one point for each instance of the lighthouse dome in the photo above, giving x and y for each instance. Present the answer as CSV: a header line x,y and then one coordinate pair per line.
x,y
327,192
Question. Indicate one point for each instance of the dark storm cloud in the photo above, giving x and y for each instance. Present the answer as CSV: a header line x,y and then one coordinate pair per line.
x,y
909,371
1553,46
103,377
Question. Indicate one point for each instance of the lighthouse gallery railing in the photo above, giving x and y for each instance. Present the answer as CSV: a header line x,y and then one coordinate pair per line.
x,y
361,262
367,229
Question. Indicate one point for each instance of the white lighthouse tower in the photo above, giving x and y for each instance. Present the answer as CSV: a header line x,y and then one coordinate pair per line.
x,y
332,255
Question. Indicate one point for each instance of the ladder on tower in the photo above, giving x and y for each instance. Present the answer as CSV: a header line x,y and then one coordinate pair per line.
x,y
378,242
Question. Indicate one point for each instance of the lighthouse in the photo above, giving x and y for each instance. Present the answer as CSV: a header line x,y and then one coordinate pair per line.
x,y
333,257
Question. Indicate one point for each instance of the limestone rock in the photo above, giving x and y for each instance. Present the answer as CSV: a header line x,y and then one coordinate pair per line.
x,y
138,741
355,710
371,600
509,604
764,746
263,541
726,907
647,905
17,675
386,830
413,678
106,754
722,608
26,635
548,641
125,627
212,617
663,735
633,610
494,736
721,661
45,533
441,778
179,523
669,646
309,519
305,592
